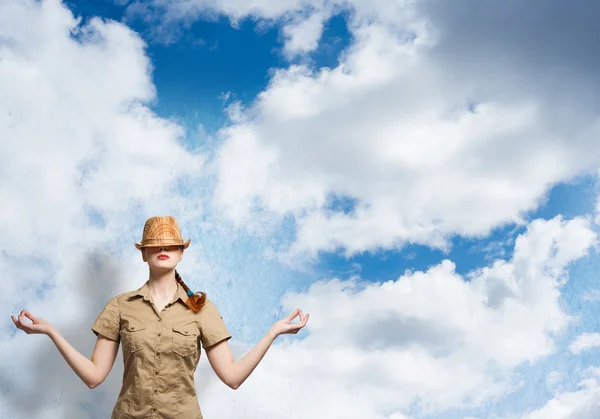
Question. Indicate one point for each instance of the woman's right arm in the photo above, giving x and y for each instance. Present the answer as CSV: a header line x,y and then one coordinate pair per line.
x,y
92,372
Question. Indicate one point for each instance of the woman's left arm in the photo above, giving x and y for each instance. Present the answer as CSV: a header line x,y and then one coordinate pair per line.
x,y
234,373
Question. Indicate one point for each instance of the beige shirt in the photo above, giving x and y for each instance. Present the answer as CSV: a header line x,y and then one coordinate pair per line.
x,y
160,352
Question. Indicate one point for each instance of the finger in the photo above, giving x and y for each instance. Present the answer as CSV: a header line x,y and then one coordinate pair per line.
x,y
302,323
293,315
305,318
30,316
17,322
24,324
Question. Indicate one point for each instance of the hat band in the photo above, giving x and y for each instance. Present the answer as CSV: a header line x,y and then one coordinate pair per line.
x,y
160,242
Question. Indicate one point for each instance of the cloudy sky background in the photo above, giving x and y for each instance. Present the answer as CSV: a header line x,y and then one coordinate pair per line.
x,y
422,177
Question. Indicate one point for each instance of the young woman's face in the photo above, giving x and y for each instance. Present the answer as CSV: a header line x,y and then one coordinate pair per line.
x,y
165,257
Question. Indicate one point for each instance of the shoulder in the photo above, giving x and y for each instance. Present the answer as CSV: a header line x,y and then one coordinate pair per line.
x,y
208,302
122,298
126,295
209,305
209,310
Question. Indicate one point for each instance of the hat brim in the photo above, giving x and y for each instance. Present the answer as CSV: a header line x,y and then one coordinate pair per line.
x,y
185,244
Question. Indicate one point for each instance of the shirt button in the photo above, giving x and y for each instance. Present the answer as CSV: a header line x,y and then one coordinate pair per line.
x,y
155,391
154,409
156,372
132,327
185,331
160,320
159,333
158,353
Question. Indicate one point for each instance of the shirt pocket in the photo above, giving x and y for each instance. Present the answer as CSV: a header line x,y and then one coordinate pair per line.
x,y
133,337
185,339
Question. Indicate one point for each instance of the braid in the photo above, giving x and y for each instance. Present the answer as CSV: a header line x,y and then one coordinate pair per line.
x,y
195,301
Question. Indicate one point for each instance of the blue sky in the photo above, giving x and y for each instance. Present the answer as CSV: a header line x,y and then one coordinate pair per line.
x,y
343,142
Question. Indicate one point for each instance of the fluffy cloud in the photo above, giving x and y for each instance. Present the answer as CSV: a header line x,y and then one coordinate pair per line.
x,y
581,404
79,143
585,342
597,220
437,121
425,342
83,161
303,35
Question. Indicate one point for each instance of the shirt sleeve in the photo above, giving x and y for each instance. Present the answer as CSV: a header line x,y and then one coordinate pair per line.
x,y
212,326
109,321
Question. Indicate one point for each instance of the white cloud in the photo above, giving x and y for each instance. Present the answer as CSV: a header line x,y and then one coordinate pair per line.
x,y
592,295
84,161
436,122
429,139
303,35
597,219
584,342
428,341
76,133
583,403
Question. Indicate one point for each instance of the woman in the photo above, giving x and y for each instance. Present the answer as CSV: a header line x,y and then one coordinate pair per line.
x,y
161,326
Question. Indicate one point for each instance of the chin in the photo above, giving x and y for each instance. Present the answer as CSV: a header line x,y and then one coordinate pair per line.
x,y
163,266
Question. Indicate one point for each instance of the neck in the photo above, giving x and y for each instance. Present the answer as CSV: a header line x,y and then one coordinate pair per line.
x,y
162,283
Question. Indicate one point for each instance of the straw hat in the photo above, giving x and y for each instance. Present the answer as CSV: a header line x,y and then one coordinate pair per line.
x,y
162,231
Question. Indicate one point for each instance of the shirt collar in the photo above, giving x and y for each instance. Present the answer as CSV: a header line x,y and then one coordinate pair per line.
x,y
144,292
181,294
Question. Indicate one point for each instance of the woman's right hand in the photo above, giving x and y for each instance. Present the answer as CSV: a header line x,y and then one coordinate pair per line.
x,y
38,325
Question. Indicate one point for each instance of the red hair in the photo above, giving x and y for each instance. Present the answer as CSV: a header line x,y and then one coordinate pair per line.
x,y
196,301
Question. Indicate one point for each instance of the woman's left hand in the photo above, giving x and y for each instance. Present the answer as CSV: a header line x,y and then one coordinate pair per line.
x,y
285,325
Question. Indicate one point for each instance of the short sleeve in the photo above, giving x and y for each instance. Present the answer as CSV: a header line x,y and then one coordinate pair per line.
x,y
109,320
212,326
